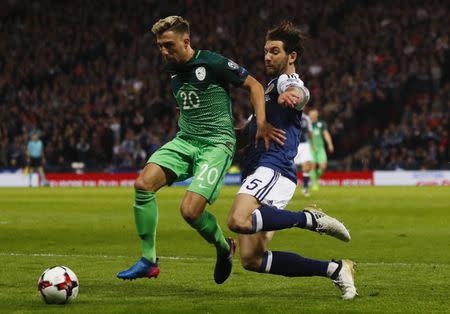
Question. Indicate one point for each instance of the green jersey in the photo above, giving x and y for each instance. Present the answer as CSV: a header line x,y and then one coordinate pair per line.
x,y
201,90
318,128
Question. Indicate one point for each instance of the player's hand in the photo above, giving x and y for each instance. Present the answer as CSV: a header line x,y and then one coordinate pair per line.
x,y
267,133
289,98
331,149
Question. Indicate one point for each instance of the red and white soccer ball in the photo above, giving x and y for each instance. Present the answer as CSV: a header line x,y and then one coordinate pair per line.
x,y
58,285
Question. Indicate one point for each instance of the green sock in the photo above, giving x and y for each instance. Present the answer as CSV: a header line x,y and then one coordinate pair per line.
x,y
210,230
146,218
313,176
319,173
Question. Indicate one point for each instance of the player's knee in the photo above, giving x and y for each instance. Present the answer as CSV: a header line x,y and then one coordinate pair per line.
x,y
251,263
189,212
144,184
233,224
239,223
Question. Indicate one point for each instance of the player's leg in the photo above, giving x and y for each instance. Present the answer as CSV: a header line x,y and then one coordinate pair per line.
x,y
256,257
31,171
42,175
306,169
250,213
166,165
304,158
31,167
210,168
321,164
150,180
252,248
322,168
313,172
193,211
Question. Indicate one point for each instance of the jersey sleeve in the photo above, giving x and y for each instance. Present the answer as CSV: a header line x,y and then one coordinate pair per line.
x,y
289,80
228,70
293,80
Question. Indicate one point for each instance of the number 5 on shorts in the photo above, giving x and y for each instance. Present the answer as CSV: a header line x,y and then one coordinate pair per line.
x,y
253,184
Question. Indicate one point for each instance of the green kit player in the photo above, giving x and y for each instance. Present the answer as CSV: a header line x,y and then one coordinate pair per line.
x,y
203,148
320,133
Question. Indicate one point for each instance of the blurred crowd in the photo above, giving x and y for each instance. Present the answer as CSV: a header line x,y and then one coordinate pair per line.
x,y
419,140
86,75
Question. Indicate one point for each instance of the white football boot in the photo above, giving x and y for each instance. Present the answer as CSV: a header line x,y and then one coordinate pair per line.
x,y
324,224
305,192
345,279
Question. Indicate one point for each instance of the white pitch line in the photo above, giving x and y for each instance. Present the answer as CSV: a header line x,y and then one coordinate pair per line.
x,y
181,258
402,264
97,256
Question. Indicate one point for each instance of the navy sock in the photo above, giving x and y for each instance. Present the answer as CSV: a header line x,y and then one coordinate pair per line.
x,y
269,218
305,180
292,265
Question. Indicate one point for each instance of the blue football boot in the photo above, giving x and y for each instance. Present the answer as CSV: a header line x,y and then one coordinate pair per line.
x,y
142,269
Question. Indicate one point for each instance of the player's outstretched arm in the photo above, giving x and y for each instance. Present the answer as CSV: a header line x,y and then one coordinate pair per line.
x,y
294,97
256,98
265,130
327,137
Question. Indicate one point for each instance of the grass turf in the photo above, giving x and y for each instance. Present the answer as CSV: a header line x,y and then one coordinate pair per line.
x,y
401,242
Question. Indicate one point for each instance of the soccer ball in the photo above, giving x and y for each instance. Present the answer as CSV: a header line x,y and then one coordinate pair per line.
x,y
58,285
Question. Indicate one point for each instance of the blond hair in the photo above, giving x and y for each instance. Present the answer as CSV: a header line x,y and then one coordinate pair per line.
x,y
173,23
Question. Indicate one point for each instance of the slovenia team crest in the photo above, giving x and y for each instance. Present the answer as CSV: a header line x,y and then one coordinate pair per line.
x,y
232,65
200,73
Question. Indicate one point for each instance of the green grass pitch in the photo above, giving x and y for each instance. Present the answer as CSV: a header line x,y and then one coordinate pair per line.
x,y
401,242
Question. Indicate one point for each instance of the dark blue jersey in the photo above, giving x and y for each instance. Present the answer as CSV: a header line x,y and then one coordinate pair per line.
x,y
279,158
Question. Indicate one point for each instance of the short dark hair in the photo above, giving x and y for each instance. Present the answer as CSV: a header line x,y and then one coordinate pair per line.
x,y
290,35
173,23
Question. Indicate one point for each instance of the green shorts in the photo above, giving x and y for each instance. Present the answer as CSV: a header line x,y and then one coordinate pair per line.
x,y
319,156
207,164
